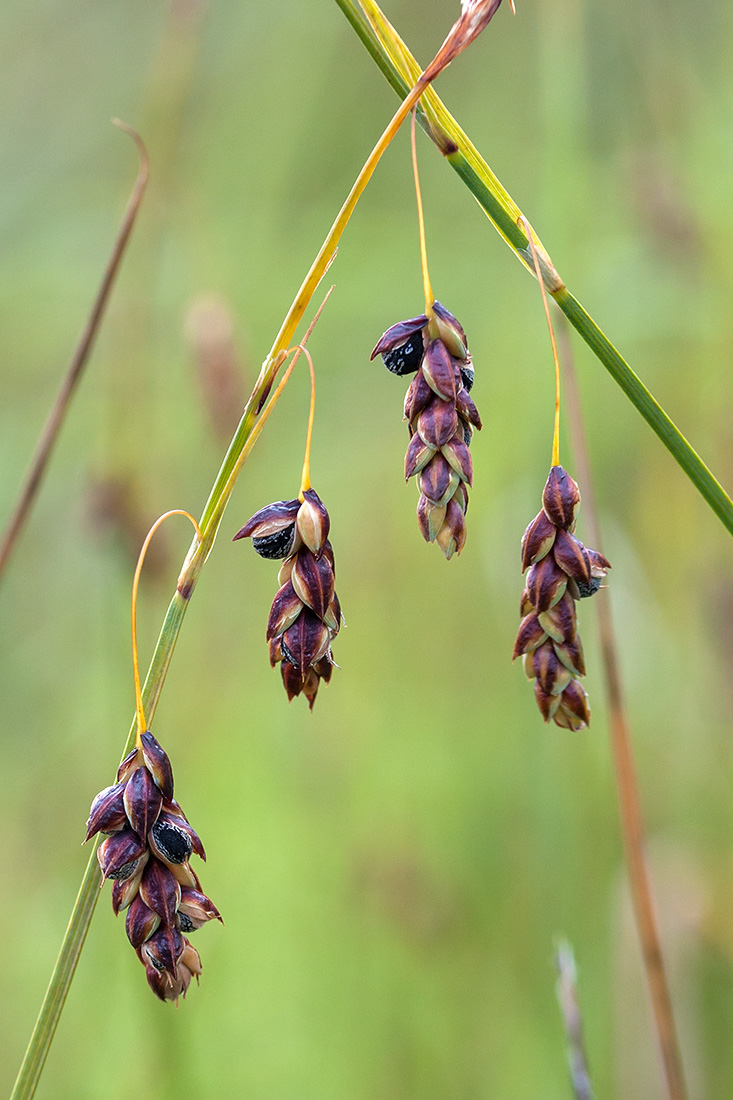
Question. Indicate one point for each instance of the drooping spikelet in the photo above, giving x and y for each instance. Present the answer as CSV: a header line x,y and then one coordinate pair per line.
x,y
441,417
146,853
305,615
561,571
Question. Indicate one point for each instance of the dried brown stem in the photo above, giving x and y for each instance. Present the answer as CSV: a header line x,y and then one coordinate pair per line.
x,y
55,420
632,825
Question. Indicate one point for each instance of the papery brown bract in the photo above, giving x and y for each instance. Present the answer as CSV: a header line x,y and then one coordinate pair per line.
x,y
120,854
142,801
158,764
107,813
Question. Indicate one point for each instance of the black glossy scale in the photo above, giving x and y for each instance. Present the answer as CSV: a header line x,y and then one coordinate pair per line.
x,y
174,845
407,357
124,872
466,370
588,588
277,545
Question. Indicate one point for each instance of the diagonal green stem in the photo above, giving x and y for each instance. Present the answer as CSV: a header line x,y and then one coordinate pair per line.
x,y
400,68
683,453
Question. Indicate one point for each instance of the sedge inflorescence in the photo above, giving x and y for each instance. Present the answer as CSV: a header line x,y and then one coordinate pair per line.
x,y
441,417
147,853
561,571
305,616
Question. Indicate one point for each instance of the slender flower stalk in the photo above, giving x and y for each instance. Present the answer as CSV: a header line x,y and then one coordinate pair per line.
x,y
627,784
57,415
427,288
305,479
399,67
139,705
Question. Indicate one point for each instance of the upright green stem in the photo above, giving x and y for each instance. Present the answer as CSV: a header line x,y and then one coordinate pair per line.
x,y
399,67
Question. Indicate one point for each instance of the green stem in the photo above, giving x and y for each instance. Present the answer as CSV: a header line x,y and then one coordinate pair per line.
x,y
699,474
63,972
399,67
81,916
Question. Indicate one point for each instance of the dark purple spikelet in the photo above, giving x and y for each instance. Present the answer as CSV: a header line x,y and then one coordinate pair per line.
x,y
561,571
305,615
146,853
441,417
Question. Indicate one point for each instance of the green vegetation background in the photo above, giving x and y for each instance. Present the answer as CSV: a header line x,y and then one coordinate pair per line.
x,y
394,868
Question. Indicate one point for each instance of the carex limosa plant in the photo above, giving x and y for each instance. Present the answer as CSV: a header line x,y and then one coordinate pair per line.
x,y
473,17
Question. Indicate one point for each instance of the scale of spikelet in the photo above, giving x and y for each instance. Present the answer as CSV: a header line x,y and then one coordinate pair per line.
x,y
561,571
441,418
305,615
146,853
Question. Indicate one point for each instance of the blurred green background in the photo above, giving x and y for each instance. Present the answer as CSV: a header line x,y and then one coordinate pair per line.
x,y
394,868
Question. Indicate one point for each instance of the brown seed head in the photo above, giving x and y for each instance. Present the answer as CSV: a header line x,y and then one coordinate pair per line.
x,y
561,570
147,856
305,615
441,418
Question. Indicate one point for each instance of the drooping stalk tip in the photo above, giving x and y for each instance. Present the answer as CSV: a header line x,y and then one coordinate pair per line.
x,y
305,480
474,18
427,288
139,708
